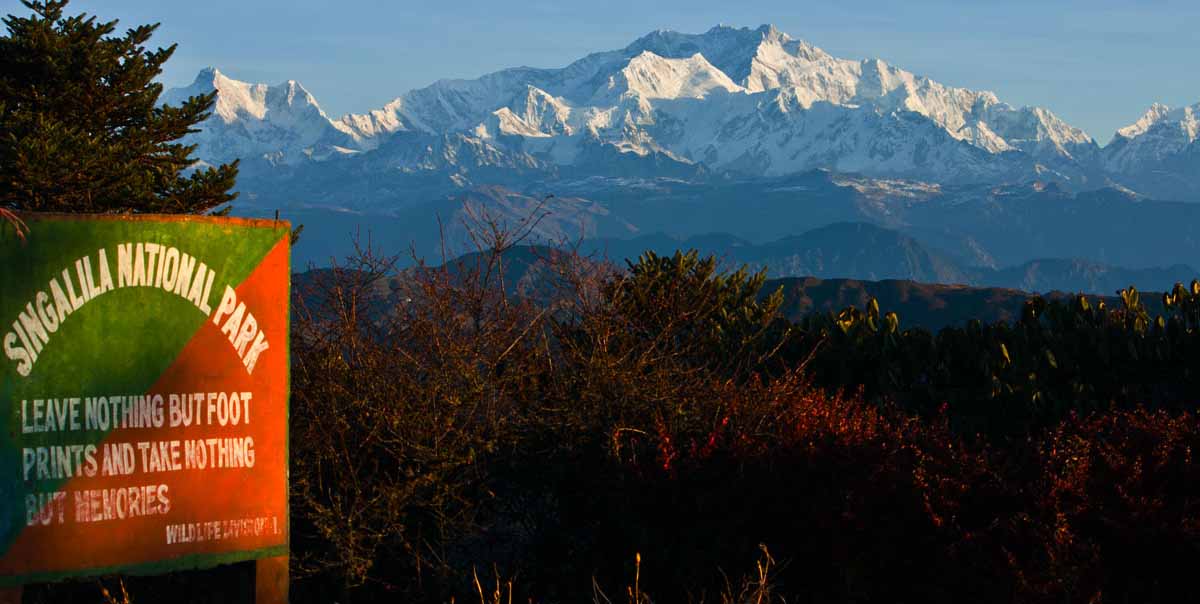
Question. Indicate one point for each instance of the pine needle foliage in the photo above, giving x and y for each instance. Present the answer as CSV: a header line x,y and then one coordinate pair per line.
x,y
81,125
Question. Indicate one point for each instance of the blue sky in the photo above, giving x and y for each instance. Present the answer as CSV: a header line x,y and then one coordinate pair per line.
x,y
1097,64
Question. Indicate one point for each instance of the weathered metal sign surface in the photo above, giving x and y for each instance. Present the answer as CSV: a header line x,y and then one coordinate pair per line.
x,y
144,383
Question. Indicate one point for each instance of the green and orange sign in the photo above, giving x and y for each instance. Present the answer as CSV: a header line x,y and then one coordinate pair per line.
x,y
144,383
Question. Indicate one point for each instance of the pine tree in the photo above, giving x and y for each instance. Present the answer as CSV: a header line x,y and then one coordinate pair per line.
x,y
81,127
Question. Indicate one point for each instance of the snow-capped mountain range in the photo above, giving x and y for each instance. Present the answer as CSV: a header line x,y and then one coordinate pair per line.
x,y
751,102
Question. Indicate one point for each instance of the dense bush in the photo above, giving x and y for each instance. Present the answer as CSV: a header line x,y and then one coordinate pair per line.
x,y
394,410
1119,504
653,432
1008,380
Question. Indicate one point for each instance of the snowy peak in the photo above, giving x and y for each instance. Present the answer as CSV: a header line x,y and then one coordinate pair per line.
x,y
374,124
729,49
780,62
665,66
1153,115
280,123
765,59
651,76
536,114
1183,123
1163,137
242,100
753,101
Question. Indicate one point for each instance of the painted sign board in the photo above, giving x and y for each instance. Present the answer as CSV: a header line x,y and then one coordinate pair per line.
x,y
144,389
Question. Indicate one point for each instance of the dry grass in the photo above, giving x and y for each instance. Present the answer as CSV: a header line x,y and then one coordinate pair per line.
x,y
18,225
111,597
753,588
